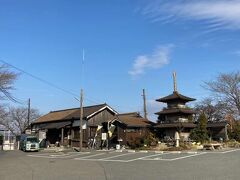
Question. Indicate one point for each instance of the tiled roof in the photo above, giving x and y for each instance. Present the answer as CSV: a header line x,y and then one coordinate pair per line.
x,y
217,124
175,96
69,114
134,114
133,120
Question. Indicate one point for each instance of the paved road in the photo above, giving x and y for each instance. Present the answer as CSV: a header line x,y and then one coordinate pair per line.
x,y
222,165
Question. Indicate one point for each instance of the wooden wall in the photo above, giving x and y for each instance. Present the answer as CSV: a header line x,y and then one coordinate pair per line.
x,y
101,117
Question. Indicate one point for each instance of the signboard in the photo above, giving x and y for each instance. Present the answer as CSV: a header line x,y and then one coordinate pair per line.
x,y
84,125
28,131
42,135
104,136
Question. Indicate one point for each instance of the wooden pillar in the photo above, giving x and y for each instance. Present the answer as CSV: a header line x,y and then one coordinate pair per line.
x,y
62,136
226,133
72,136
87,133
118,133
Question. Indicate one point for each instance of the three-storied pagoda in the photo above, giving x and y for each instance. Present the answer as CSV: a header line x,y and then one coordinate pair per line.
x,y
176,117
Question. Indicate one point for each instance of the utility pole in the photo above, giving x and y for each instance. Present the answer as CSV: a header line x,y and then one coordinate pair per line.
x,y
29,109
144,104
81,120
81,106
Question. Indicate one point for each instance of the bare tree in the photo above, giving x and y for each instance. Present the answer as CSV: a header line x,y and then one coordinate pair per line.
x,y
7,79
17,119
226,88
214,111
3,116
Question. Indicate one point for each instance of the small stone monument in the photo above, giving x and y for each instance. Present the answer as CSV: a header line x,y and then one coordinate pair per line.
x,y
177,138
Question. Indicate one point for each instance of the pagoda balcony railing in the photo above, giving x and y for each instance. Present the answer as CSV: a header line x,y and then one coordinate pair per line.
x,y
175,107
181,120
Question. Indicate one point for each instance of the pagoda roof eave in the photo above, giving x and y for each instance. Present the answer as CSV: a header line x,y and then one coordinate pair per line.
x,y
175,96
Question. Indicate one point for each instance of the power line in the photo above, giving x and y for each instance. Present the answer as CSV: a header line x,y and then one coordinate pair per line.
x,y
39,79
19,101
74,95
92,100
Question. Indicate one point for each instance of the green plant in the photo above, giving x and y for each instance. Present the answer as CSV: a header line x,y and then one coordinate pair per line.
x,y
150,139
200,133
233,144
235,134
137,142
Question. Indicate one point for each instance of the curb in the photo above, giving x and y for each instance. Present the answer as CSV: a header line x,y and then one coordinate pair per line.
x,y
131,151
189,152
119,151
159,152
143,151
175,152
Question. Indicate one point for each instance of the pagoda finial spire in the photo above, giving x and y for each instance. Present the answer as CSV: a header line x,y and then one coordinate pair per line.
x,y
174,82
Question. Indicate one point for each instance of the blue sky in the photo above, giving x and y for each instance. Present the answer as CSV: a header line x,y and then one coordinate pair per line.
x,y
129,45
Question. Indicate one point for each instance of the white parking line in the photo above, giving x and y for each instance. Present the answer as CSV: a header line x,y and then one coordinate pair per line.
x,y
154,155
47,157
78,152
130,160
90,156
184,157
223,152
47,154
156,159
147,157
107,160
174,159
233,150
58,156
115,156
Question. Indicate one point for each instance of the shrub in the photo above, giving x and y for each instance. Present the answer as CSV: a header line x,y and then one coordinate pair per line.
x,y
235,134
150,140
139,142
134,143
200,133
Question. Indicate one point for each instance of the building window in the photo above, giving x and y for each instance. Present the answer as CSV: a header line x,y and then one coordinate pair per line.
x,y
76,134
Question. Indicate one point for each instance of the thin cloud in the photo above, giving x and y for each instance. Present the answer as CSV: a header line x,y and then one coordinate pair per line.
x,y
152,107
236,52
156,60
215,14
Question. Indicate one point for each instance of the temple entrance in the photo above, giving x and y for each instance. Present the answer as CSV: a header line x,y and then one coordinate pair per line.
x,y
53,136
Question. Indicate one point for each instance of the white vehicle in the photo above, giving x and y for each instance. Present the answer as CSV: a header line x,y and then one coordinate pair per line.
x,y
29,143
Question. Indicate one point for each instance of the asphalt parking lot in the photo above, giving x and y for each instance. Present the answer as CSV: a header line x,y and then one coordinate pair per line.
x,y
203,165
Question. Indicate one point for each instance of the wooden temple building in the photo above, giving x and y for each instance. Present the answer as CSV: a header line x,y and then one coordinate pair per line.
x,y
62,127
178,117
